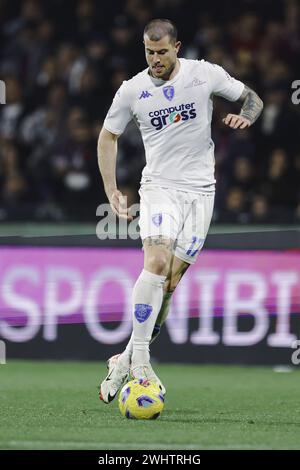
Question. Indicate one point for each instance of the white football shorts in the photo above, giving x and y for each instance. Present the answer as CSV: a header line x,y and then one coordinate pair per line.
x,y
179,215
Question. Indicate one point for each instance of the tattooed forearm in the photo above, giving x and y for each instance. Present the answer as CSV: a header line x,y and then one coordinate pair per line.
x,y
252,106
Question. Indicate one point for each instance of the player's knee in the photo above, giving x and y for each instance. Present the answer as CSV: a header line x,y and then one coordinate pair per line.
x,y
158,263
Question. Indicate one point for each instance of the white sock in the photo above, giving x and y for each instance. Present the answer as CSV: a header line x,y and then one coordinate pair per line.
x,y
147,301
127,353
161,318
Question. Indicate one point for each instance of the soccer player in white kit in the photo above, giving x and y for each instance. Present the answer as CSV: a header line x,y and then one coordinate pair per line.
x,y
171,102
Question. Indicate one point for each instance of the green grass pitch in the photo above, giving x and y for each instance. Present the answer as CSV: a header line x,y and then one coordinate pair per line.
x,y
55,405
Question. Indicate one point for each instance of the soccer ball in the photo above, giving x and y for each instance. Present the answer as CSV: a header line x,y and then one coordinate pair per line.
x,y
141,399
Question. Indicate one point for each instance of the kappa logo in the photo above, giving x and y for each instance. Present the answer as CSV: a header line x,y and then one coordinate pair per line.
x,y
145,94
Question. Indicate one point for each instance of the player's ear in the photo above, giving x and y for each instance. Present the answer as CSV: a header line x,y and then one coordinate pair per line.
x,y
177,45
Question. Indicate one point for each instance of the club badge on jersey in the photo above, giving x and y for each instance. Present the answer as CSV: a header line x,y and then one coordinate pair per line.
x,y
157,219
169,92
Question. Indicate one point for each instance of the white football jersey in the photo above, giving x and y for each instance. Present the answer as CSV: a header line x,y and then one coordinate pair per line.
x,y
174,118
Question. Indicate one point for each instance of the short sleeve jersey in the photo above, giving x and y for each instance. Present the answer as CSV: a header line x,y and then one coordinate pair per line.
x,y
174,118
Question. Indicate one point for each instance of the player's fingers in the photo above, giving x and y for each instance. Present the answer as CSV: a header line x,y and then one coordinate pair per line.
x,y
227,119
122,206
119,206
121,201
233,121
244,125
125,216
124,211
121,213
114,209
118,200
115,205
131,212
116,196
238,123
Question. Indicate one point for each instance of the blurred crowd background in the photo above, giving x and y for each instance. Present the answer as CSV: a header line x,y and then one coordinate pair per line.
x,y
62,62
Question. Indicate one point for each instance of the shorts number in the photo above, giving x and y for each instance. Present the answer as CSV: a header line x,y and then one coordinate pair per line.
x,y
195,246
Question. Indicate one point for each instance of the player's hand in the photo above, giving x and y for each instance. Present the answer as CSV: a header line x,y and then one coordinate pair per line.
x,y
118,203
236,121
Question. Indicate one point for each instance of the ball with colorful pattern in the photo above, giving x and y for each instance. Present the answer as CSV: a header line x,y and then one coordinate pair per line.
x,y
141,399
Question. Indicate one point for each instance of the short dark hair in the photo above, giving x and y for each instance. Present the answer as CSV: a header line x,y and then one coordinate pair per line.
x,y
158,28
